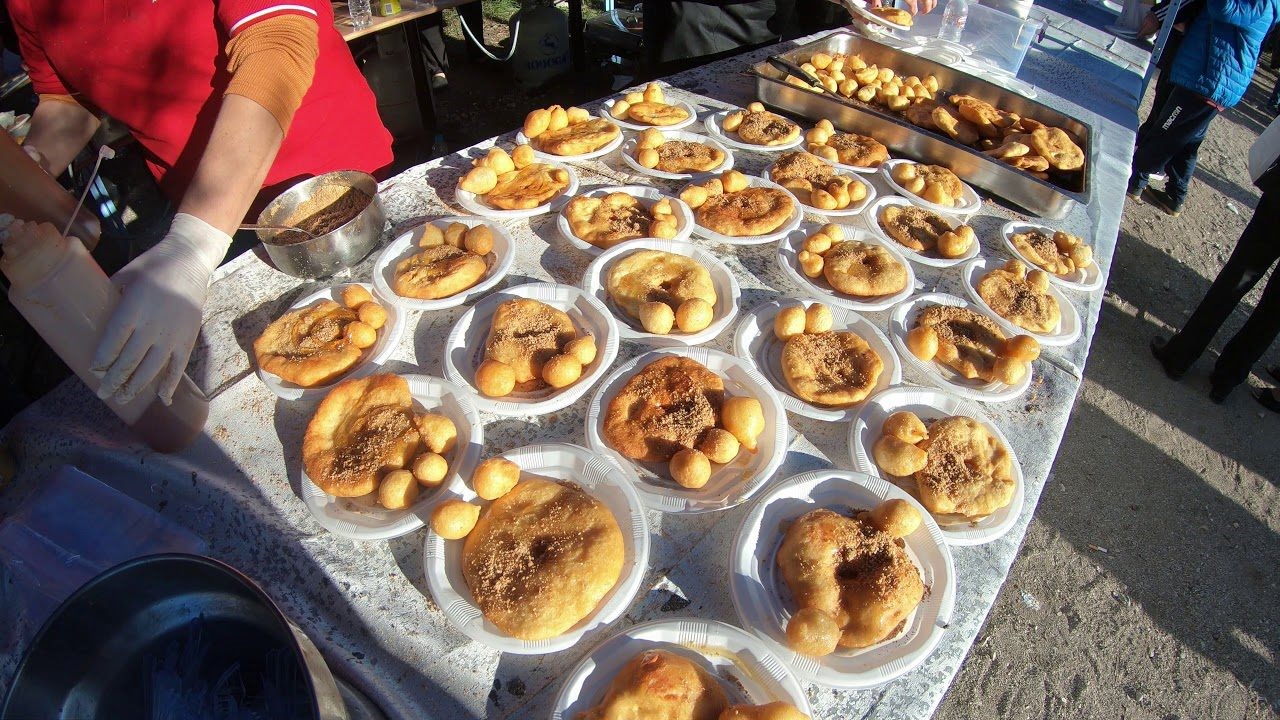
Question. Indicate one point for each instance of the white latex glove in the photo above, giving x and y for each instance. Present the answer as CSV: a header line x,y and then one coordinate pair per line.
x,y
154,327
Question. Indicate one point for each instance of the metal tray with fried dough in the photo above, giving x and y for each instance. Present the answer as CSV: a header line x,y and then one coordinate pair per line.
x,y
1050,199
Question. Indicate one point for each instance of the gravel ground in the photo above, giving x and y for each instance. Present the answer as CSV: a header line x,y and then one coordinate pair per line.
x,y
1147,584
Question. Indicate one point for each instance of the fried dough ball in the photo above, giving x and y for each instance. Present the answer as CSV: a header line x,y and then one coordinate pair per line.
x,y
372,314
777,710
361,335
454,519
818,318
1009,371
690,468
1081,255
833,231
559,118
495,477
430,469
619,109
895,516
1021,347
653,93
657,317
495,378
634,97
955,243
812,632
479,180
756,107
536,122
897,457
455,234
522,156
789,322
1038,280
353,296
694,314
478,240
733,121
720,446
583,349
664,228
499,160
733,181
818,136
923,342
438,432
824,152
432,236
562,371
744,417
397,490
662,207
577,115
811,263
694,195
823,200
650,138
818,242
906,426
647,157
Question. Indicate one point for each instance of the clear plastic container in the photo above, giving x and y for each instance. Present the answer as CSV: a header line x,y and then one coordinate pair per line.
x,y
998,38
361,13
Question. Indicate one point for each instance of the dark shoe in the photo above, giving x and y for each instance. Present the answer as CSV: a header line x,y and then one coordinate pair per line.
x,y
1158,346
1274,372
1162,200
439,81
1267,399
1134,195
1219,393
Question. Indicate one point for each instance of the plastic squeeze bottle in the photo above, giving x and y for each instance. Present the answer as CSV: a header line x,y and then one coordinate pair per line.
x,y
59,288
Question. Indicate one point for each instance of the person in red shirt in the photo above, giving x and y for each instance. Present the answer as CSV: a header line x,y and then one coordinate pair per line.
x,y
230,100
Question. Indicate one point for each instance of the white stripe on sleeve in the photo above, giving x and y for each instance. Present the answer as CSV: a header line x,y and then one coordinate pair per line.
x,y
273,9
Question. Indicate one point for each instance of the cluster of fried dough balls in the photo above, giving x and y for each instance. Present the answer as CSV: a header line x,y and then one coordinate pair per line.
x,y
551,119
1011,361
478,239
798,320
815,246
730,181
364,332
741,420
495,378
647,144
852,77
497,166
400,488
454,519
901,449
652,93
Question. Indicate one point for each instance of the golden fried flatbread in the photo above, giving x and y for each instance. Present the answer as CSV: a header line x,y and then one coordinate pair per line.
x,y
308,346
660,685
439,271
800,165
605,222
1056,146
969,342
527,188
968,471
862,269
858,150
362,429
682,156
525,334
833,369
664,408
1016,299
655,113
749,212
766,128
656,276
913,227
579,138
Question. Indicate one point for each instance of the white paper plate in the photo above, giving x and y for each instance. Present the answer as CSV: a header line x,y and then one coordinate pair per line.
x,y
797,216
755,342
370,358
853,209
969,203
629,328
869,16
748,672
473,203
763,599
902,319
442,558
362,518
1068,330
464,348
629,156
1086,280
718,133
607,107
791,245
930,404
406,246
648,195
872,219
612,145
730,484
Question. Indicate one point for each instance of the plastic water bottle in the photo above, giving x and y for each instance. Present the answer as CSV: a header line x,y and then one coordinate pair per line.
x,y
953,20
361,13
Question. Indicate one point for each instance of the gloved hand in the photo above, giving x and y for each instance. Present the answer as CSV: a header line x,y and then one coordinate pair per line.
x,y
154,327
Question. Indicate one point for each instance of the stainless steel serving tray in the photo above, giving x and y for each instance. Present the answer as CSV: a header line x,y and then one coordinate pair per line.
x,y
1051,199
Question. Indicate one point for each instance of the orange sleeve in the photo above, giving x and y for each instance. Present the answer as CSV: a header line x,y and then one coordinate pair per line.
x,y
50,97
272,62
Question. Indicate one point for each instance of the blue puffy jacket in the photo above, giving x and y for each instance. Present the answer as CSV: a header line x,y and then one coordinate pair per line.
x,y
1220,50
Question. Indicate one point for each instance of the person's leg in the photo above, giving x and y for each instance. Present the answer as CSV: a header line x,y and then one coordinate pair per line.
x,y
1247,346
433,51
1177,135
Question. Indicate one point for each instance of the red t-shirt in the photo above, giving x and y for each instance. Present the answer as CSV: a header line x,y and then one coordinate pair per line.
x,y
159,66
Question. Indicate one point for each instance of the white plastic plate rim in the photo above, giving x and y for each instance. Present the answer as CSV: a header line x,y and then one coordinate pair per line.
x,y
864,430
370,359
971,202
797,217
760,607
726,285
791,244
872,220
609,147
713,122
872,17
755,342
607,107
733,489
683,215
471,203
430,394
756,675
629,150
852,210
442,558
406,245
467,337
1086,280
899,321
1068,330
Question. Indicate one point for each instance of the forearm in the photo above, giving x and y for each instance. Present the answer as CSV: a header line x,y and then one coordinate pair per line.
x,y
29,193
59,131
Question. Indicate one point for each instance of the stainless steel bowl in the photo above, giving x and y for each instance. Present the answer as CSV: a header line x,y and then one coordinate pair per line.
x,y
326,254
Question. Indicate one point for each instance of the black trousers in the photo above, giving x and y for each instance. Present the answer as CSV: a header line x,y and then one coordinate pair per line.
x,y
1257,248
1169,141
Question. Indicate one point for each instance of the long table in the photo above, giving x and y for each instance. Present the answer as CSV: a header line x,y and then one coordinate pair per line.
x,y
366,605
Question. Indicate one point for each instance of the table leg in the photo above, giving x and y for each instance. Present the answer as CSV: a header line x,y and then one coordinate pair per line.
x,y
421,82
577,43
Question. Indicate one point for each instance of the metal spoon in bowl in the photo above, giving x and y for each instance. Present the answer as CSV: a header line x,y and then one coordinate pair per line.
x,y
277,228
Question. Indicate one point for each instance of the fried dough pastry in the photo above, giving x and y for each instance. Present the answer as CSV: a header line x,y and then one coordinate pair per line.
x,y
1056,146
525,334
833,369
1061,254
920,113
862,269
777,710
682,156
656,113
577,138
968,470
803,166
858,150
362,429
1021,298
308,346
750,212
664,408
615,218
851,571
541,557
934,183
527,188
948,120
648,276
439,271
761,127
913,227
897,16
660,685
968,341
985,117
